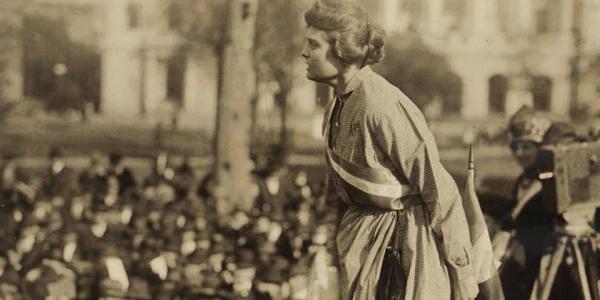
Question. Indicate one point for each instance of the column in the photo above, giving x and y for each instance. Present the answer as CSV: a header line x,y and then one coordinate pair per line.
x,y
590,33
303,96
120,88
13,71
561,94
200,91
433,17
155,83
524,12
303,105
121,64
475,93
390,14
565,21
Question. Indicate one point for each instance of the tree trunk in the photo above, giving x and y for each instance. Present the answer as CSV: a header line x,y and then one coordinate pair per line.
x,y
282,101
233,165
576,56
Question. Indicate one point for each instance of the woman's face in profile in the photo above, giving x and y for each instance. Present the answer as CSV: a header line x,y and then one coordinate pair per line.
x,y
525,152
321,66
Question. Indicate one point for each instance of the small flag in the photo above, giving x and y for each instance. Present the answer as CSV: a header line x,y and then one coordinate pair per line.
x,y
483,254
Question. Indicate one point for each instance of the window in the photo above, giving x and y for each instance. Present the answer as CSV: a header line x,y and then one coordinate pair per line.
x,y
542,21
498,87
175,14
133,15
542,92
175,78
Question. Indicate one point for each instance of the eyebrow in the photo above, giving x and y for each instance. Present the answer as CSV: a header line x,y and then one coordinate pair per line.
x,y
313,40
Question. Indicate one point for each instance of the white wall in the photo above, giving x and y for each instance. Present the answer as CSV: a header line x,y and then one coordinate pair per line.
x,y
200,91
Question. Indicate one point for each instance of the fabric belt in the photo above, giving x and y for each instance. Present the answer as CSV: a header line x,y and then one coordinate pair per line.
x,y
379,187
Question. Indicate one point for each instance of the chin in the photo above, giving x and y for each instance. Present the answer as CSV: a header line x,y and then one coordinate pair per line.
x,y
315,78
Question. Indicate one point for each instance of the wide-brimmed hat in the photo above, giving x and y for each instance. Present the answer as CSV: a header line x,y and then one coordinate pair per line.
x,y
527,125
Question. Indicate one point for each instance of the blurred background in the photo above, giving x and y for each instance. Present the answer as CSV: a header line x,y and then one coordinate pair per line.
x,y
208,101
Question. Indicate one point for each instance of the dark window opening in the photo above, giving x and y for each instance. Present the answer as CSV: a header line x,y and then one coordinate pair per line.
x,y
133,15
542,92
57,70
498,87
175,14
542,21
175,79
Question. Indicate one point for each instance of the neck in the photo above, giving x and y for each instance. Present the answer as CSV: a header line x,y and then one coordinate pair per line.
x,y
340,82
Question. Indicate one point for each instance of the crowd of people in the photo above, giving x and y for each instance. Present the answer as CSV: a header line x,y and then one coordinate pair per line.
x,y
101,233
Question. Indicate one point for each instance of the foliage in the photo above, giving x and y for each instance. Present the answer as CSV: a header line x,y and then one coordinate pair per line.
x,y
201,21
420,72
279,38
278,45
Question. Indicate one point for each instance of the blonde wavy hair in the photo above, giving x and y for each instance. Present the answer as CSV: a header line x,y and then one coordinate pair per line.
x,y
354,38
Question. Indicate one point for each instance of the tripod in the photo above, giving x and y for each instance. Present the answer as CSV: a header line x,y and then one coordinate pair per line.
x,y
576,245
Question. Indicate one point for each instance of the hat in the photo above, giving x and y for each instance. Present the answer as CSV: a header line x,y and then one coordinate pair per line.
x,y
211,280
245,258
276,272
222,245
138,289
111,288
10,277
527,125
55,152
114,157
300,268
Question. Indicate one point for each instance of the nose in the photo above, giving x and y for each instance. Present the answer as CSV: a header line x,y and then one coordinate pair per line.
x,y
305,52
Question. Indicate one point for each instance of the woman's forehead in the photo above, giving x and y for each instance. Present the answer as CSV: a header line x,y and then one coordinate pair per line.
x,y
316,34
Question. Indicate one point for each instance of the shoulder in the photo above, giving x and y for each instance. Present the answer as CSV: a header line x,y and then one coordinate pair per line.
x,y
383,100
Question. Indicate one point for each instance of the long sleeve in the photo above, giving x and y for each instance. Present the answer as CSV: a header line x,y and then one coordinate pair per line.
x,y
402,134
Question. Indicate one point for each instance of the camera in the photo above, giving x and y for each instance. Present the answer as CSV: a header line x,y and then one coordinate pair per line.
x,y
570,175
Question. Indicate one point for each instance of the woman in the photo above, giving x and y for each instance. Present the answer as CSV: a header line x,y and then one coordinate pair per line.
x,y
384,164
531,226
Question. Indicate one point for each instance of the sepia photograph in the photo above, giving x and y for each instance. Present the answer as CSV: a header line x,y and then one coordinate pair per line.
x,y
299,149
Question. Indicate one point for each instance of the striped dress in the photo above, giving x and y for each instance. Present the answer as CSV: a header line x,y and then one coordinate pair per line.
x,y
382,158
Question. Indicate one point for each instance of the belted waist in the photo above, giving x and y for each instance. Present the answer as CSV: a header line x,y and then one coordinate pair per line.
x,y
377,187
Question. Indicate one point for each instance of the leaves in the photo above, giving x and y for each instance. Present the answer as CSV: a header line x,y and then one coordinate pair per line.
x,y
202,21
419,72
279,37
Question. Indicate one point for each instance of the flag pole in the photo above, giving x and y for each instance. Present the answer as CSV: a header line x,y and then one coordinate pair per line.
x,y
471,165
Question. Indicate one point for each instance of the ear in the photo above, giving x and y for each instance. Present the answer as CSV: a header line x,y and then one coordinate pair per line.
x,y
337,50
334,54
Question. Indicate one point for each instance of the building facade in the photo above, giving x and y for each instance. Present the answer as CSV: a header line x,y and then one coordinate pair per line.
x,y
147,70
508,53
131,62
127,57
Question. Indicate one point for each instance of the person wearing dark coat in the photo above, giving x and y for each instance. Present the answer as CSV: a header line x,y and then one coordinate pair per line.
x,y
59,180
94,179
123,174
531,224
